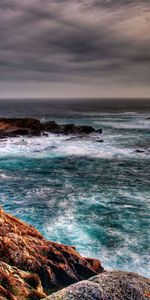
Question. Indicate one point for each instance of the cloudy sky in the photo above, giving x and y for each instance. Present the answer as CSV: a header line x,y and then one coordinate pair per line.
x,y
74,48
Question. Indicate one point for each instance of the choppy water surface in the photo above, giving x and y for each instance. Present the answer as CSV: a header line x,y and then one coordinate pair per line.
x,y
78,191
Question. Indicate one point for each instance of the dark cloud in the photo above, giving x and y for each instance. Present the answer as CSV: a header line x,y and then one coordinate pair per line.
x,y
71,40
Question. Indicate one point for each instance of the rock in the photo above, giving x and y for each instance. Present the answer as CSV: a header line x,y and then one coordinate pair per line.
x,y
139,151
16,132
110,285
44,134
95,263
56,265
16,284
29,123
100,141
10,127
53,127
99,130
32,127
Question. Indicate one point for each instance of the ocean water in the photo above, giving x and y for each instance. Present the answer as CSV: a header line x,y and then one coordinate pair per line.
x,y
75,190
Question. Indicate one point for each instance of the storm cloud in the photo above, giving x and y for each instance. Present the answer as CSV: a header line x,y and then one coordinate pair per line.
x,y
75,42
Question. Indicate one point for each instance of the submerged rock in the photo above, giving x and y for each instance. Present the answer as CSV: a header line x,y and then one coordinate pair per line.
x,y
139,151
55,264
100,141
110,285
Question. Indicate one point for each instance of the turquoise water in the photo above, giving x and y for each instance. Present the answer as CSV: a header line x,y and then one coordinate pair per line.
x,y
95,196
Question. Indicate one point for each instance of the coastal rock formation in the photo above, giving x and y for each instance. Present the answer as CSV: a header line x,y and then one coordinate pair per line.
x,y
20,126
16,284
33,127
115,285
32,268
56,265
53,127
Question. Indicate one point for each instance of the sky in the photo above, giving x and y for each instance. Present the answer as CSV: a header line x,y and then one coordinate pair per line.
x,y
74,48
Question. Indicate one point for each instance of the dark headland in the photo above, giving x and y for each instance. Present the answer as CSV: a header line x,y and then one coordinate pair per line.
x,y
10,127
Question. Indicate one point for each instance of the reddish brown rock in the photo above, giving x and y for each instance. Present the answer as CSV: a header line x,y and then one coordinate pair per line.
x,y
16,284
95,264
29,123
19,126
57,265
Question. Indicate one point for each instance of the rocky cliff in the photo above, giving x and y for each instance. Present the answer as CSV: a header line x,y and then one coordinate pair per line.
x,y
40,265
31,268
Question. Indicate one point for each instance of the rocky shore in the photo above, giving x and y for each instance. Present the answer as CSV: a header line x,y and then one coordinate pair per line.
x,y
33,268
110,285
13,127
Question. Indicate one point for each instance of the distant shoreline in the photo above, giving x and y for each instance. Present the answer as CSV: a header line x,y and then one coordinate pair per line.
x,y
13,127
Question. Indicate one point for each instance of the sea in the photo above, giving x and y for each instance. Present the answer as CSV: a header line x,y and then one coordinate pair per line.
x,y
91,192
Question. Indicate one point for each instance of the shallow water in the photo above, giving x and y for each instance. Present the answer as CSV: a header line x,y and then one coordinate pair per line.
x,y
78,191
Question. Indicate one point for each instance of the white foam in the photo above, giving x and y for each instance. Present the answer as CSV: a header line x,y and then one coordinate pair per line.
x,y
124,125
59,145
119,257
4,176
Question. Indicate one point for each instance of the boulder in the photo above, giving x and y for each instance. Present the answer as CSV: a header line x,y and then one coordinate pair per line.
x,y
110,285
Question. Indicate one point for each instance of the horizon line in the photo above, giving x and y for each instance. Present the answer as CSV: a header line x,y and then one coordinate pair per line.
x,y
75,98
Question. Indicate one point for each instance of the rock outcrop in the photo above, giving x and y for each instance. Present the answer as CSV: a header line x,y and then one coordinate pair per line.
x,y
115,285
53,127
21,126
56,265
33,127
32,268
16,284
